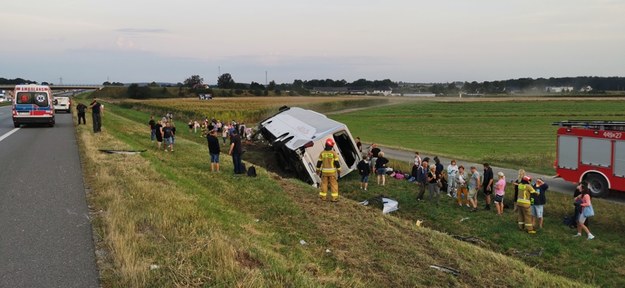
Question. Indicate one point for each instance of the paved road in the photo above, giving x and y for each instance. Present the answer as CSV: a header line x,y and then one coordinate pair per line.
x,y
45,232
555,184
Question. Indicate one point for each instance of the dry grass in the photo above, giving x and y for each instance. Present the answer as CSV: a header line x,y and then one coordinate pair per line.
x,y
204,229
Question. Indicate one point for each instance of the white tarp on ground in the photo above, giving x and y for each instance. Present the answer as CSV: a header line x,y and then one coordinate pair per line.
x,y
389,205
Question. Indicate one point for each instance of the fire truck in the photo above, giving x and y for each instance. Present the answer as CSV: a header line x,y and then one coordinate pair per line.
x,y
592,151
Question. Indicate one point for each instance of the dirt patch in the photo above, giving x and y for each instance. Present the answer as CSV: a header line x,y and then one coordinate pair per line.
x,y
246,260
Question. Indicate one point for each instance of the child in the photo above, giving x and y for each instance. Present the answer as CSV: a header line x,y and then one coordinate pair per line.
x,y
500,190
364,169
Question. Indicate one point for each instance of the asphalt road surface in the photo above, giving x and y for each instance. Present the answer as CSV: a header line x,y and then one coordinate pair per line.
x,y
45,231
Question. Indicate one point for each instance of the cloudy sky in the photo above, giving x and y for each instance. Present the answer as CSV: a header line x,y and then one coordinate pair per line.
x,y
88,41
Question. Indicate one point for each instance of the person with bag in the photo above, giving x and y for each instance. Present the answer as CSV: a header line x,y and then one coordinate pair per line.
x,y
586,212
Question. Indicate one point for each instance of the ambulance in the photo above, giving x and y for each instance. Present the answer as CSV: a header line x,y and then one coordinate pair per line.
x,y
33,104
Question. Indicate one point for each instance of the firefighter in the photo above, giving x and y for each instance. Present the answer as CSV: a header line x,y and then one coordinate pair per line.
x,y
523,203
328,168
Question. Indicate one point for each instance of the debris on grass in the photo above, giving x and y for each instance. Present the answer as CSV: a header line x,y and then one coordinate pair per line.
x,y
446,269
123,152
464,219
470,239
154,267
302,242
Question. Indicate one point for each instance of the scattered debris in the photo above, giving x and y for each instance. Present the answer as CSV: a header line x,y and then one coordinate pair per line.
x,y
154,267
257,220
388,205
465,218
446,269
418,223
302,242
124,152
536,253
328,251
470,239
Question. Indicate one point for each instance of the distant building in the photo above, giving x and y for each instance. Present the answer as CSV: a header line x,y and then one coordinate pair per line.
x,y
381,91
585,89
329,90
418,94
558,89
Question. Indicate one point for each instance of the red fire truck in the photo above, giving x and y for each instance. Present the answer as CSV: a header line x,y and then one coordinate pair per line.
x,y
592,151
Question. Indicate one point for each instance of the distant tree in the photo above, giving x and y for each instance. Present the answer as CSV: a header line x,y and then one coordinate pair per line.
x,y
106,83
194,81
225,81
272,85
256,86
153,84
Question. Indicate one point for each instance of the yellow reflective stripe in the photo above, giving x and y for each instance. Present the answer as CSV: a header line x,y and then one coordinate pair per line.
x,y
523,201
328,169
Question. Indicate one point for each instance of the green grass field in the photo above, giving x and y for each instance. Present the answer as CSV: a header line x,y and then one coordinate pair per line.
x,y
214,229
506,133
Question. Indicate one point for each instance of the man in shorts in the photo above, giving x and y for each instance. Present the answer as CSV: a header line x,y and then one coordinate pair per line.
x,y
213,150
364,170
474,184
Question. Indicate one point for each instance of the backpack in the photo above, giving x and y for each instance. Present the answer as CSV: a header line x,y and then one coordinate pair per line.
x,y
251,172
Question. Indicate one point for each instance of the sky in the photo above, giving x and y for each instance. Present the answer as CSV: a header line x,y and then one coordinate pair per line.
x,y
92,41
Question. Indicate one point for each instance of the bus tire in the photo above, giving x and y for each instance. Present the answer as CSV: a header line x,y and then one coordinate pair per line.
x,y
597,184
16,125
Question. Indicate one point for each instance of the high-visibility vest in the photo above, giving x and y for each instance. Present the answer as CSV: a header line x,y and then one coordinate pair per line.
x,y
327,159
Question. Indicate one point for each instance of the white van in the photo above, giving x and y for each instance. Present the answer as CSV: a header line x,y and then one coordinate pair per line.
x,y
62,103
298,136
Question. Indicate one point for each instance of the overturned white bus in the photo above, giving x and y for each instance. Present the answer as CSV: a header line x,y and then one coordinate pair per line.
x,y
298,135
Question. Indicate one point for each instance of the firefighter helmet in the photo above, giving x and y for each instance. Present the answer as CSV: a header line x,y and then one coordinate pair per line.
x,y
330,142
527,178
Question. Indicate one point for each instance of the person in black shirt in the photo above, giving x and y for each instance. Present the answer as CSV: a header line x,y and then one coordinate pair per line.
x,y
95,114
236,150
81,109
158,130
213,150
152,125
364,169
380,168
487,184
168,137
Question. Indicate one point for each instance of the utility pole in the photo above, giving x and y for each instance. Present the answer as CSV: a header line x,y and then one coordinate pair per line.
x,y
61,80
265,78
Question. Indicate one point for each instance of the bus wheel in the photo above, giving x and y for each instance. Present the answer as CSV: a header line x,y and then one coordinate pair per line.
x,y
597,185
16,125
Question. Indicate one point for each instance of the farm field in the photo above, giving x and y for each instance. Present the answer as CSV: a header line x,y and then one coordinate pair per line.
x,y
508,133
248,109
165,221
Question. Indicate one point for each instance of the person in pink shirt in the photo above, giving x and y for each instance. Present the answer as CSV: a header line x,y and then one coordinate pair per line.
x,y
584,201
500,191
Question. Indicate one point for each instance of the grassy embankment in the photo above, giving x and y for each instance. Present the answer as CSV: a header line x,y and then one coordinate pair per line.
x,y
509,133
214,229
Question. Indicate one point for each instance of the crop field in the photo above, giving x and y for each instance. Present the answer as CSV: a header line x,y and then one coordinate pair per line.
x,y
506,133
246,109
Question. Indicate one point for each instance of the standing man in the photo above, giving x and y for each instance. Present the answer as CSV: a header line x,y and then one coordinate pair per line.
x,y
422,178
81,109
152,125
95,114
487,183
328,167
474,184
236,150
213,150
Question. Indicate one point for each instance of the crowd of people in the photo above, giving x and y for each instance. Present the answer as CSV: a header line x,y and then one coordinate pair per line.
x,y
430,175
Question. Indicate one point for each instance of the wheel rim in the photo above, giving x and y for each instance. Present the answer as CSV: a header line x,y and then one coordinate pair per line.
x,y
596,187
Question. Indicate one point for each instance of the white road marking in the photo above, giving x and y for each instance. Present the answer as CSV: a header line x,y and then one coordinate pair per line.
x,y
8,134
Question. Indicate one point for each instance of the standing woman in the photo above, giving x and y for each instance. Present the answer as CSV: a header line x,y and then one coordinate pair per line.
x,y
158,130
452,170
584,200
433,180
380,167
500,191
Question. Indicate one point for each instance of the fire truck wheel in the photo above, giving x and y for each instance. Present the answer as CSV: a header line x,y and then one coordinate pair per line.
x,y
597,184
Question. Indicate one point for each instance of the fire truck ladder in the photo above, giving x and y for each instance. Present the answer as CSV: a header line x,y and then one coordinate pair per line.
x,y
592,124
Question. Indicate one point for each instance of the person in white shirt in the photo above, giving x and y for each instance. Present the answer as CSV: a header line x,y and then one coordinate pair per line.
x,y
452,171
